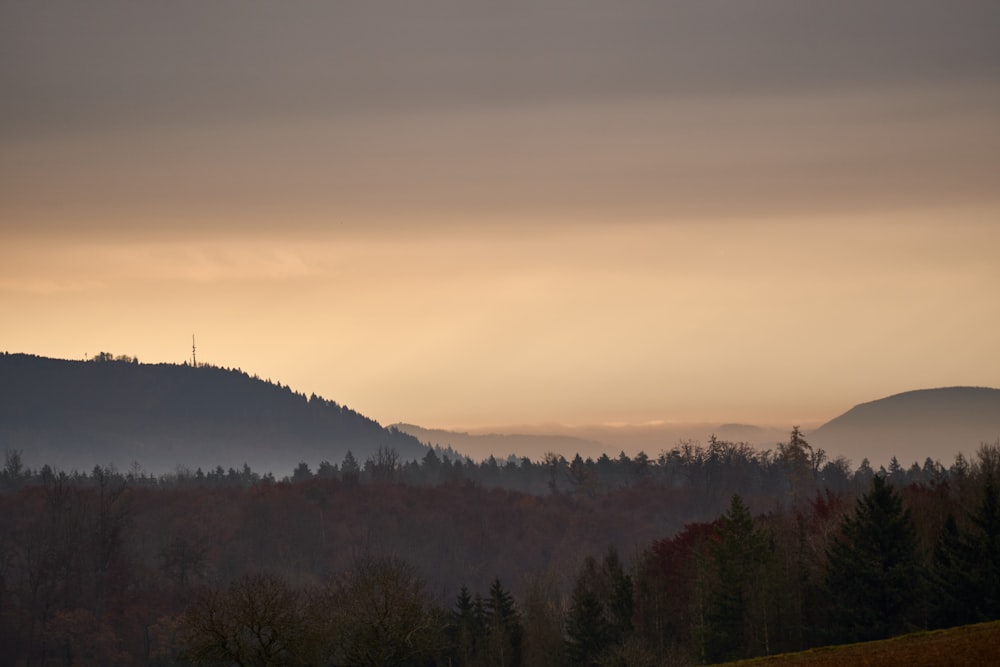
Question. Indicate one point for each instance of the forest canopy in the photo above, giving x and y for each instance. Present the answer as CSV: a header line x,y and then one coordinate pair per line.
x,y
702,554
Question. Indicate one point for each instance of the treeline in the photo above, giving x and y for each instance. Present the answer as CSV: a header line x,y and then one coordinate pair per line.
x,y
650,563
734,588
719,468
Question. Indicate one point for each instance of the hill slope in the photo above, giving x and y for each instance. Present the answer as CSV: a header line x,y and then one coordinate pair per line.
x,y
964,646
914,425
75,414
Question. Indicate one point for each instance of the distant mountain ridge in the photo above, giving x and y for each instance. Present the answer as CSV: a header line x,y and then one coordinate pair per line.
x,y
914,425
77,414
589,441
480,446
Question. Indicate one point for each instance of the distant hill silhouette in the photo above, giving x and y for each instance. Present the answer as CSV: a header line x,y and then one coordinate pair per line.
x,y
78,414
589,441
480,446
914,425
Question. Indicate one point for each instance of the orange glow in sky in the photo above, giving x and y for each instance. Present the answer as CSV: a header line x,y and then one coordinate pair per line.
x,y
460,217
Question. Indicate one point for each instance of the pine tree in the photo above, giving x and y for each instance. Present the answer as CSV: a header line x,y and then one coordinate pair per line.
x,y
736,605
587,632
966,573
600,613
955,594
503,623
620,605
874,573
349,468
467,627
985,550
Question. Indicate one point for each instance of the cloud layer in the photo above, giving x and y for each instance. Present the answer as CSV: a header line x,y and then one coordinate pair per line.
x,y
457,214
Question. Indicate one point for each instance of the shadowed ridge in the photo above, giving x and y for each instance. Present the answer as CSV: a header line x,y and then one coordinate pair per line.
x,y
921,405
914,425
76,414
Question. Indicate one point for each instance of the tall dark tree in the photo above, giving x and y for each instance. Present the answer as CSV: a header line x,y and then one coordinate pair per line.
x,y
966,572
955,594
667,590
737,619
301,472
13,472
505,632
587,631
875,575
110,519
800,464
349,468
467,627
600,613
985,545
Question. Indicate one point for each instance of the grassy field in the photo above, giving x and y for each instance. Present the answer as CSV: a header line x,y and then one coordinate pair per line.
x,y
968,645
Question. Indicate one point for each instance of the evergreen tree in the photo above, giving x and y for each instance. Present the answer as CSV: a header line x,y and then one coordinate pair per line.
x,y
874,573
736,614
600,613
955,594
504,630
985,550
587,632
966,570
301,472
800,465
349,468
467,628
620,604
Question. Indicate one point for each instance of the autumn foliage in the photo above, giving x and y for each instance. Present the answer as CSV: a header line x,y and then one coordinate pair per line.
x,y
700,555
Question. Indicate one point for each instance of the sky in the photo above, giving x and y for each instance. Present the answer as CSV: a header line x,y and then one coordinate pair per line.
x,y
477,214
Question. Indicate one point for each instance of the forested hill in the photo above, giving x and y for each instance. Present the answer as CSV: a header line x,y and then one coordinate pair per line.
x,y
77,414
915,425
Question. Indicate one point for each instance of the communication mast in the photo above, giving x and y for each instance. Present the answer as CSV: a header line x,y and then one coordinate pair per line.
x,y
194,359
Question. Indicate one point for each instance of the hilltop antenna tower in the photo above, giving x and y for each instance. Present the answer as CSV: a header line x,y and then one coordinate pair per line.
x,y
194,359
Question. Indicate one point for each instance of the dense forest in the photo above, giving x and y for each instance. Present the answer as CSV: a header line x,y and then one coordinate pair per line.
x,y
702,554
